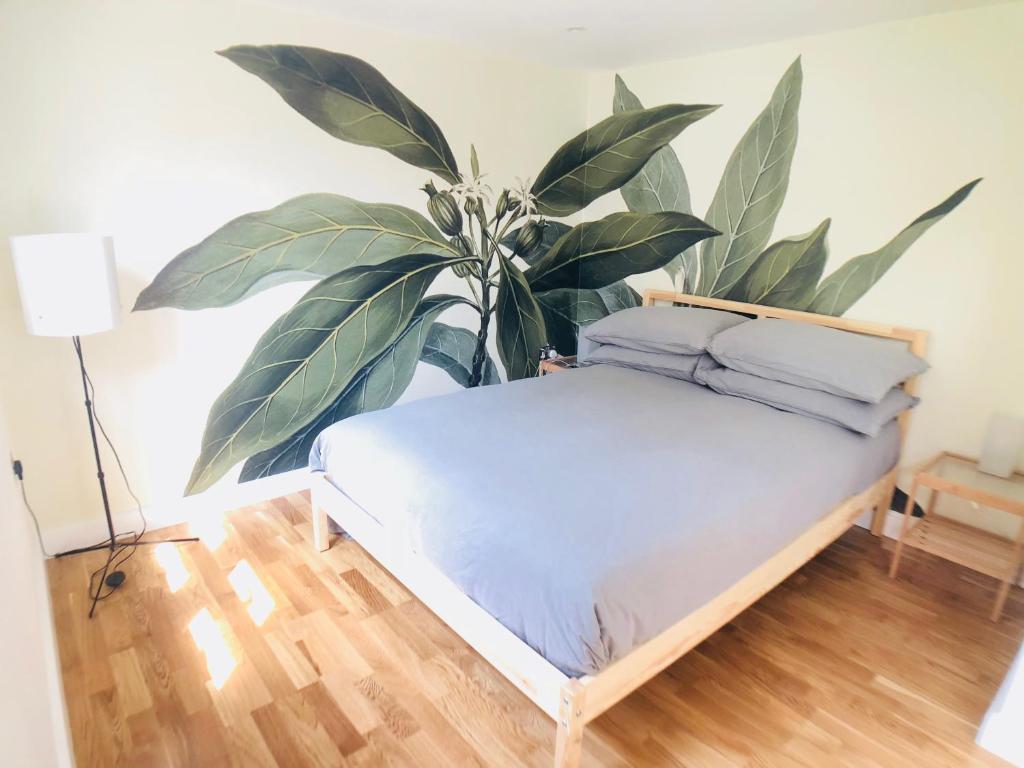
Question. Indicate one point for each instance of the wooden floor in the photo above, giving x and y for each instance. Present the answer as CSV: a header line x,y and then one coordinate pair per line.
x,y
311,660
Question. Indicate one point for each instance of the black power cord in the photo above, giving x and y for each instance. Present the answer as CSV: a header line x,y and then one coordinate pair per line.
x,y
119,547
122,551
19,472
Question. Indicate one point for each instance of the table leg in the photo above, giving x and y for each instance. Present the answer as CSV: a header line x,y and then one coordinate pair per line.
x,y
1011,575
908,513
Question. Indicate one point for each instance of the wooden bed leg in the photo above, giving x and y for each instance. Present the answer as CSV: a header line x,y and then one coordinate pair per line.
x,y
569,738
881,512
321,535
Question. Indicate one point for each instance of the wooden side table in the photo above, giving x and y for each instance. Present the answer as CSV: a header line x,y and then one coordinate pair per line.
x,y
958,542
557,364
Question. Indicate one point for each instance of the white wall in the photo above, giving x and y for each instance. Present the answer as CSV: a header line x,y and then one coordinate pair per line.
x,y
33,730
1000,730
119,117
894,117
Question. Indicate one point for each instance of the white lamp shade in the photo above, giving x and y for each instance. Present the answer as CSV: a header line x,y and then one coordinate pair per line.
x,y
68,283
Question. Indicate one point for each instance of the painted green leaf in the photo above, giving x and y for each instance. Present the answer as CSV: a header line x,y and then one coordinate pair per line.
x,y
659,186
606,156
520,323
838,292
598,253
378,385
451,349
787,273
752,189
566,310
350,100
307,237
308,356
552,231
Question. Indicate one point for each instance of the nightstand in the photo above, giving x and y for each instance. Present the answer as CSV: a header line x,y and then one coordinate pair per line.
x,y
557,364
958,542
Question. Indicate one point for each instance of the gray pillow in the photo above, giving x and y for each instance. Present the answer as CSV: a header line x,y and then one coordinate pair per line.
x,y
866,418
678,330
673,366
812,356
584,348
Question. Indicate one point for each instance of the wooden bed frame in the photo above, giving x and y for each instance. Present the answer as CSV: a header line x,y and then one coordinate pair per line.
x,y
573,702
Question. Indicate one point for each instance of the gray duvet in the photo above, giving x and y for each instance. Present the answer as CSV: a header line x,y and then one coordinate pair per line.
x,y
589,510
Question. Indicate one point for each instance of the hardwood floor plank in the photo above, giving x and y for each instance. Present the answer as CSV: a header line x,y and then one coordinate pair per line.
x,y
839,665
291,726
361,711
293,661
373,601
129,682
246,746
343,733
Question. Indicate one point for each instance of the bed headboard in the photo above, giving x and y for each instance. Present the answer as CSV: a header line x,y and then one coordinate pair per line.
x,y
917,340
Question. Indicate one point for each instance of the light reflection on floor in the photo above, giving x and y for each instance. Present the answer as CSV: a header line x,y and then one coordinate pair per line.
x,y
175,572
210,527
220,662
250,589
206,633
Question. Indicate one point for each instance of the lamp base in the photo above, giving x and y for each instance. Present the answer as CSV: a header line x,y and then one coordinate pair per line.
x,y
113,579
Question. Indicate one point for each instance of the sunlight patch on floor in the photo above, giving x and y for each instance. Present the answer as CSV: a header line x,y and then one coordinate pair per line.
x,y
210,527
220,662
249,588
175,572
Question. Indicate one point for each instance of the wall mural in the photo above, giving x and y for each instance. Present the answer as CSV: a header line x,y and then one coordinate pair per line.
x,y
352,342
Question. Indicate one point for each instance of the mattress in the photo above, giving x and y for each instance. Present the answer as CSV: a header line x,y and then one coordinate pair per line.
x,y
589,510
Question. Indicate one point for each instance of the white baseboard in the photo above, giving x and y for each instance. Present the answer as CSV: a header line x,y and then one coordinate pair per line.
x,y
893,523
219,499
1000,730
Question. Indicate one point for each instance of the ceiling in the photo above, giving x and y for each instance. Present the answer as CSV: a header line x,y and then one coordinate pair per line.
x,y
605,34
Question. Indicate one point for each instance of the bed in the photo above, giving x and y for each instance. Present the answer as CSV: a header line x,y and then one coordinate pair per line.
x,y
578,570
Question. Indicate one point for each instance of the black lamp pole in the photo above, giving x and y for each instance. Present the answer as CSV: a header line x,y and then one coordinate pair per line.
x,y
112,579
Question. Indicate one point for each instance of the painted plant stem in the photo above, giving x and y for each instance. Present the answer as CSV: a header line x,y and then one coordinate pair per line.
x,y
485,305
488,249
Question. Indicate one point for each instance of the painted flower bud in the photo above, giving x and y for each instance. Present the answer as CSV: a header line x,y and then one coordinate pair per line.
x,y
513,204
462,244
443,210
501,208
464,247
528,238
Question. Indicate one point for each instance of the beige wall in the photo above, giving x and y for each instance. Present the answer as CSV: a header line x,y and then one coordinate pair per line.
x,y
119,117
893,118
33,729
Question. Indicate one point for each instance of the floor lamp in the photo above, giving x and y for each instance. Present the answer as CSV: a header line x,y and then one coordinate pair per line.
x,y
68,287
